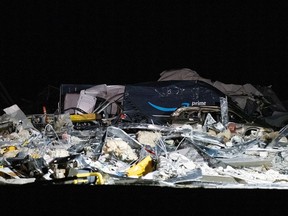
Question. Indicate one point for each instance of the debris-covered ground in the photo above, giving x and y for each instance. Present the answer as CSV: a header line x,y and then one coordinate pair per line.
x,y
50,149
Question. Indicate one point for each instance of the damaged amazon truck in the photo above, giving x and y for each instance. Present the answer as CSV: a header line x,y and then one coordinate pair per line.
x,y
154,102
147,102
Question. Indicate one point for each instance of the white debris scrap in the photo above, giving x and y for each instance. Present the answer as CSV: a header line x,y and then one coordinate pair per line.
x,y
120,149
175,165
148,137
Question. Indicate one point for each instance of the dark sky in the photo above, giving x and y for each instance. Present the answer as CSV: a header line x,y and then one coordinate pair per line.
x,y
49,43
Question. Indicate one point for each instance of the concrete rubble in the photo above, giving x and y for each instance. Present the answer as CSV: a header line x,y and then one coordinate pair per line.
x,y
187,155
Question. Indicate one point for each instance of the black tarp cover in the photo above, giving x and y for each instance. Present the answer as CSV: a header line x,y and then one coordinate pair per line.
x,y
154,100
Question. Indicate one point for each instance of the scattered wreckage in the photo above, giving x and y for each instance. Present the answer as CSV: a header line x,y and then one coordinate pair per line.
x,y
103,135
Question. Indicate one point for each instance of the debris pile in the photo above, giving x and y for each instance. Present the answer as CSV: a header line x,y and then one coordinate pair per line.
x,y
209,155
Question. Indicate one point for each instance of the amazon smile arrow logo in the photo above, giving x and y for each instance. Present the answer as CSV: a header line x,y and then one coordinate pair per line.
x,y
166,109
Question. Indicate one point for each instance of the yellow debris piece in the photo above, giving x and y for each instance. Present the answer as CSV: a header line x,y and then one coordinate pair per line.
x,y
83,117
7,149
99,180
141,168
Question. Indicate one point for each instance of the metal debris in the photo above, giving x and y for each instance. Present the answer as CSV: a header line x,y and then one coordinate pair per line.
x,y
211,154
